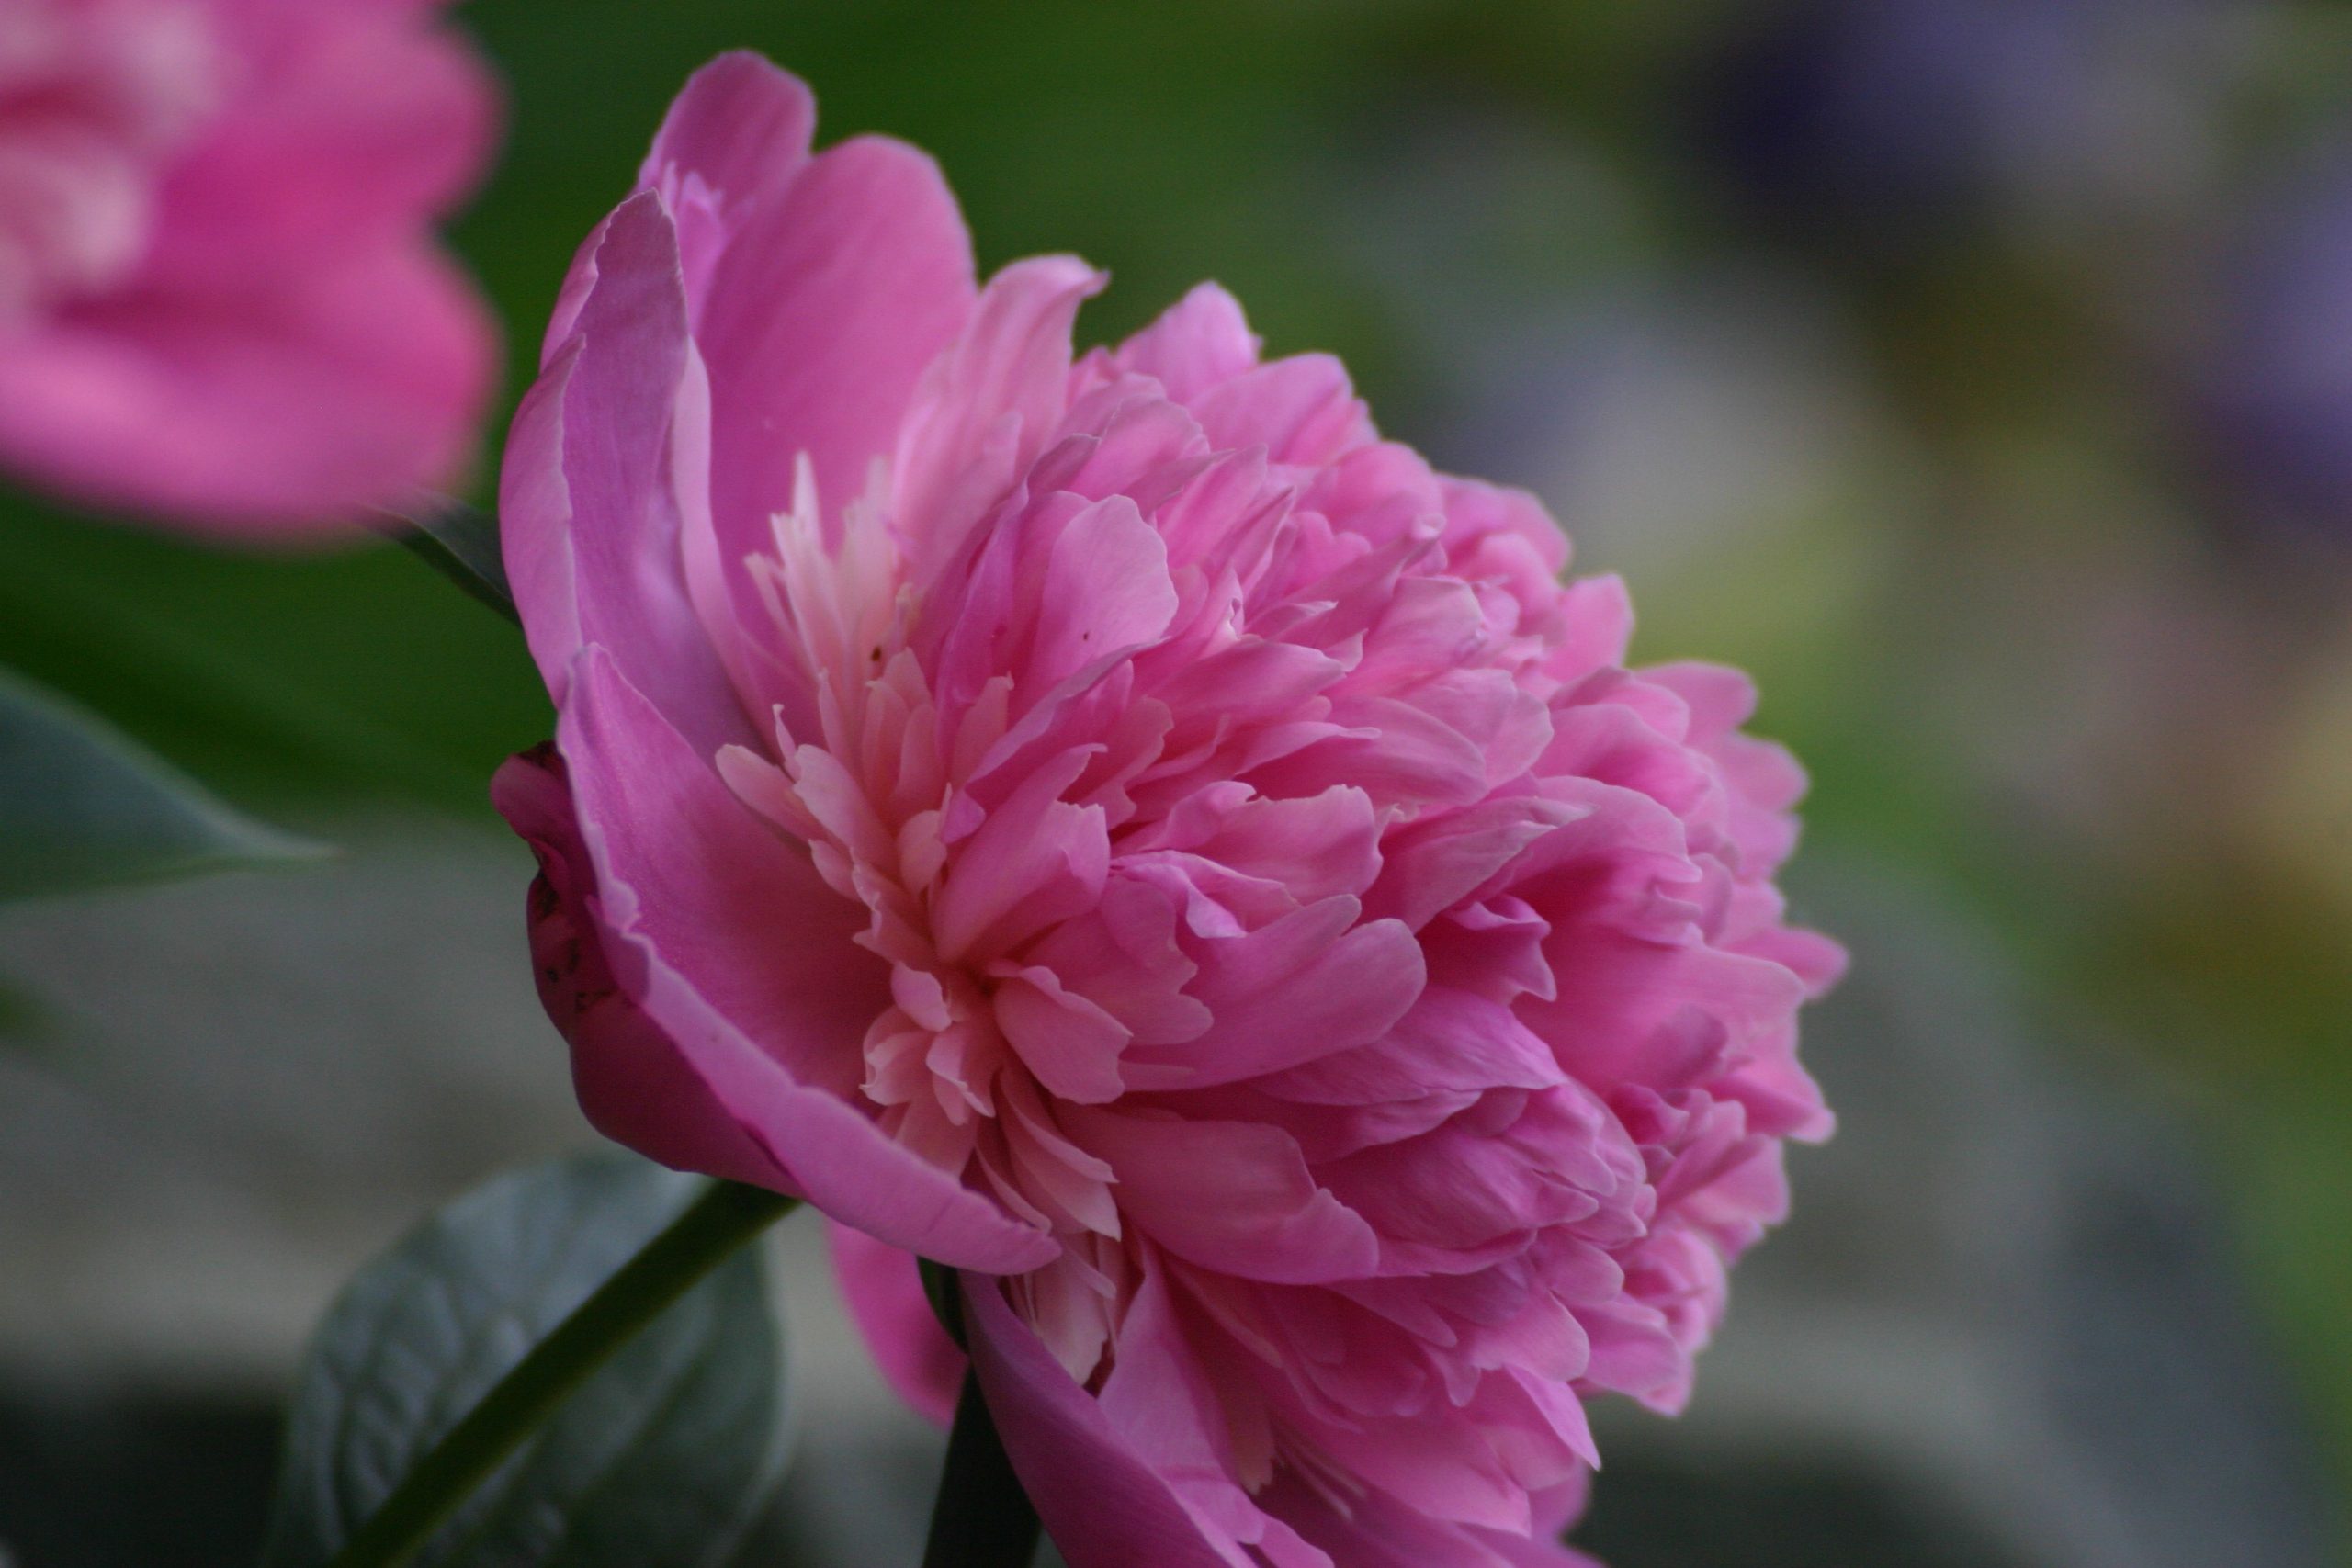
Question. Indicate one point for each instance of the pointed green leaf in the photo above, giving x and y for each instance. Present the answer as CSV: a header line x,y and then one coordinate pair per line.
x,y
664,1455
461,544
84,806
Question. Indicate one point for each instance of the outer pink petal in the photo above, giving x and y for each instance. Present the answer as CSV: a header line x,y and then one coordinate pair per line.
x,y
723,933
633,1084
591,507
883,1288
257,414
736,138
741,125
1104,1505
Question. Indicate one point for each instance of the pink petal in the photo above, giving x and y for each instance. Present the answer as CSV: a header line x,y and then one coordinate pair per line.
x,y
256,414
1298,989
344,132
728,939
1197,343
1232,1196
1302,410
633,1084
736,138
1104,1505
830,300
1450,1041
883,1288
1377,1532
986,410
1071,1044
1103,588
590,519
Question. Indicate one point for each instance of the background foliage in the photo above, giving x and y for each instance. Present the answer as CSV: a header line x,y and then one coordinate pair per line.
x,y
1911,374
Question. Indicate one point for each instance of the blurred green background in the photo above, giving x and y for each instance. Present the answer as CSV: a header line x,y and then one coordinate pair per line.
x,y
1979,375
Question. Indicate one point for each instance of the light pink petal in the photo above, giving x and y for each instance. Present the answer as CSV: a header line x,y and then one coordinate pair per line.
x,y
1597,616
986,410
1476,511
1197,343
1302,410
728,939
1103,588
260,415
883,1288
1034,861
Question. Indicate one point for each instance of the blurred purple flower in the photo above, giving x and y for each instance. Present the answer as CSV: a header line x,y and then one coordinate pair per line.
x,y
1889,120
2272,395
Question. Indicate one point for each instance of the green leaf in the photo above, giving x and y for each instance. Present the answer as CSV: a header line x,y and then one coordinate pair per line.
x,y
84,806
664,1455
459,542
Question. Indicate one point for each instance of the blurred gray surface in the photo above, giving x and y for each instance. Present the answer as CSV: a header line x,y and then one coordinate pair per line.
x,y
2008,1297
2003,1329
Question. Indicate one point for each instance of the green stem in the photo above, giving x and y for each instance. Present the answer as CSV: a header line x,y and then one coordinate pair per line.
x,y
982,1517
725,1217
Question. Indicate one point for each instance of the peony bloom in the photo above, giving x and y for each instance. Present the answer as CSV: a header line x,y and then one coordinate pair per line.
x,y
220,304
1116,826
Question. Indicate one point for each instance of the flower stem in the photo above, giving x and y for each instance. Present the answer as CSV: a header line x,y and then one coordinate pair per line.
x,y
724,1218
982,1517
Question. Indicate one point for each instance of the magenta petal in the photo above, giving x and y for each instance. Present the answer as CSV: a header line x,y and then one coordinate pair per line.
x,y
590,512
633,1084
725,936
1104,1505
1379,1532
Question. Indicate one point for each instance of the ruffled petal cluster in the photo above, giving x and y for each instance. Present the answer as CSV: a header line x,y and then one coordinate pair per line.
x,y
1114,824
220,302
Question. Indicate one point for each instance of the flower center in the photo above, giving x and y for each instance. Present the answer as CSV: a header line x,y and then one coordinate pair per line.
x,y
980,1033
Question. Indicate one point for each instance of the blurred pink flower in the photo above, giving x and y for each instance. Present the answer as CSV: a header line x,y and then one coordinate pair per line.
x,y
1119,825
220,302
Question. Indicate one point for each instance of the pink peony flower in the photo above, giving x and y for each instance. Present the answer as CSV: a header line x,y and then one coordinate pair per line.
x,y
220,303
1118,827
